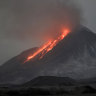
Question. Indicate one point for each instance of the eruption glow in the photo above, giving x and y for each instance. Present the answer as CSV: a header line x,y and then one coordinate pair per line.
x,y
45,48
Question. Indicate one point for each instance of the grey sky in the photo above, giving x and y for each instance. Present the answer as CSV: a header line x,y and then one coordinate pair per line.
x,y
11,46
89,13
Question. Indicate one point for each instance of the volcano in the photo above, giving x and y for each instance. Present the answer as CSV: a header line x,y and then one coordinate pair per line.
x,y
74,56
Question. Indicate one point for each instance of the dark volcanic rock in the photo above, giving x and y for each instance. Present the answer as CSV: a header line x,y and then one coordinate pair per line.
x,y
50,81
74,57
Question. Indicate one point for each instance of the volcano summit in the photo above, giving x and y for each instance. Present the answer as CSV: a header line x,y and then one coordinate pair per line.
x,y
74,56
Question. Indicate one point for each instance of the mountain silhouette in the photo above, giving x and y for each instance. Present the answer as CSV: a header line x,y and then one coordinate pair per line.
x,y
50,81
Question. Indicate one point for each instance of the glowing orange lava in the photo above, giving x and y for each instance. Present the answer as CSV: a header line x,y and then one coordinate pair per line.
x,y
48,46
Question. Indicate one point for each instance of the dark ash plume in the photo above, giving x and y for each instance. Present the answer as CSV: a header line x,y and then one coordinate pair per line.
x,y
39,18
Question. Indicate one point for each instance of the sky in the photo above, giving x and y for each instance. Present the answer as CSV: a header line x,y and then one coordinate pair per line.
x,y
16,17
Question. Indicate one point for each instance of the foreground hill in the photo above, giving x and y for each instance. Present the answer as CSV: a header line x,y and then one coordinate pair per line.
x,y
49,85
50,81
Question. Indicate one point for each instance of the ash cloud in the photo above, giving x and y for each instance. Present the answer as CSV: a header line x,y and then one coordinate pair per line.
x,y
35,18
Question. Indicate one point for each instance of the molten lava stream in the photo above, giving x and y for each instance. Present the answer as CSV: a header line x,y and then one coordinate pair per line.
x,y
45,48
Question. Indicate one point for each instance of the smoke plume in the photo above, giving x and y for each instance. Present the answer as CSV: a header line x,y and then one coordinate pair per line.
x,y
39,18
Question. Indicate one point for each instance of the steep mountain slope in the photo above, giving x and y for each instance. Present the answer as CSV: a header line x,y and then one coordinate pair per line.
x,y
75,57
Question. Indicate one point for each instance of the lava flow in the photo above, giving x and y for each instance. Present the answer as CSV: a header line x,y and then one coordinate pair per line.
x,y
45,48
